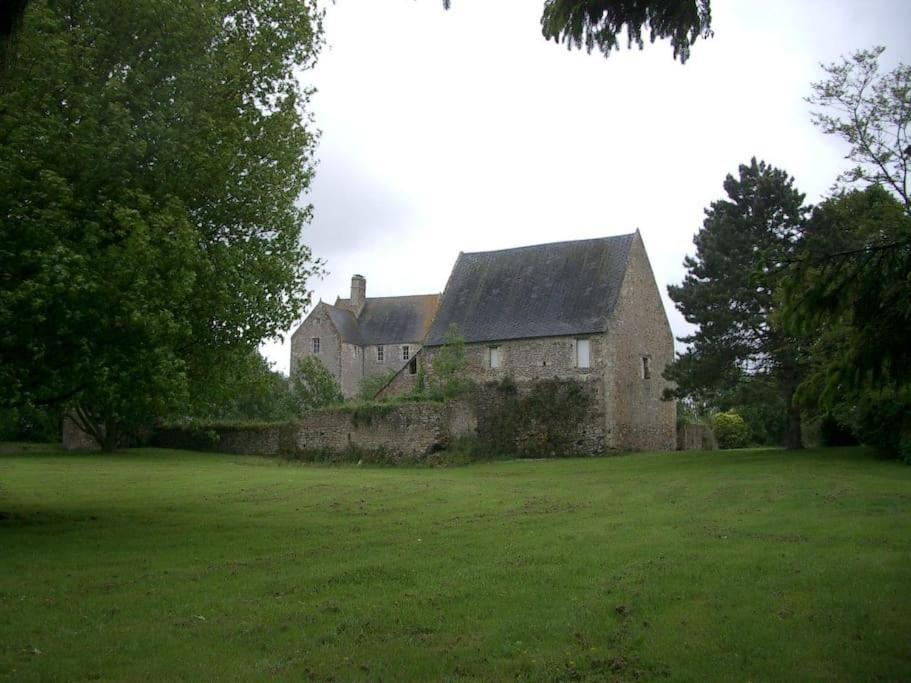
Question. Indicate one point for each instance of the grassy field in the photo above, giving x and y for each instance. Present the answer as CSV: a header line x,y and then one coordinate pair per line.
x,y
754,565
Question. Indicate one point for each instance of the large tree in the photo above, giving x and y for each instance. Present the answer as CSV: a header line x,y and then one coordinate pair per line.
x,y
731,292
849,292
601,23
151,157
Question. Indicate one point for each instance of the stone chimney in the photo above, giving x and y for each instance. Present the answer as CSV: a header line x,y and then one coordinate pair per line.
x,y
358,293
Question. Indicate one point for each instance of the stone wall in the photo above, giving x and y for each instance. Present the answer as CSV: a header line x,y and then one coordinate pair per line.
x,y
402,431
318,325
406,430
638,328
696,437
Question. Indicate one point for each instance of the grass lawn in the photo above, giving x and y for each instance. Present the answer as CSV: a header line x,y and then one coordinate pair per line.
x,y
752,565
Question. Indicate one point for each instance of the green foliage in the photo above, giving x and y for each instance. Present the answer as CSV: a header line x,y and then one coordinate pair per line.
x,y
251,392
448,380
600,23
731,292
730,430
31,423
544,420
872,113
151,157
850,296
370,386
313,386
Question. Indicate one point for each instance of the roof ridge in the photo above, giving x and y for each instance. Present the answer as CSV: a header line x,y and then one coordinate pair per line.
x,y
552,244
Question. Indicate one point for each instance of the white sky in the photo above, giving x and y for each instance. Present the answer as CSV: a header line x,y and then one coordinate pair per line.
x,y
466,131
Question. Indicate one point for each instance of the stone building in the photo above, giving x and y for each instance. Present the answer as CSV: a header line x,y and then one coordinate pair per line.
x,y
587,310
362,337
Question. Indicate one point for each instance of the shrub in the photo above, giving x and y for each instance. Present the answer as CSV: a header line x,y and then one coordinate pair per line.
x,y
313,386
730,430
448,379
370,386
546,420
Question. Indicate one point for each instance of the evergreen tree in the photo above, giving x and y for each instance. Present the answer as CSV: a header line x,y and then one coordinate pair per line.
x,y
731,292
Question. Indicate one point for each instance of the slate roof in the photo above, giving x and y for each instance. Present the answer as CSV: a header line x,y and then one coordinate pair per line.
x,y
546,290
385,320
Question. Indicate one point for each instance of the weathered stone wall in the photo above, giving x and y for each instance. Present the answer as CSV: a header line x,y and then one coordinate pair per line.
x,y
637,418
527,359
395,431
696,437
407,430
318,324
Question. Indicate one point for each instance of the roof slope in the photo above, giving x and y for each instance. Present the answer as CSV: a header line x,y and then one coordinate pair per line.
x,y
387,320
544,290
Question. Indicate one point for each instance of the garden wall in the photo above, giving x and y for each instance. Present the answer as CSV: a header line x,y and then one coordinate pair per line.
x,y
400,431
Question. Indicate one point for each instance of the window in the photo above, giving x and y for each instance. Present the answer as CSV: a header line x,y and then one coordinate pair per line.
x,y
494,356
357,351
646,370
380,354
413,366
406,352
316,345
583,353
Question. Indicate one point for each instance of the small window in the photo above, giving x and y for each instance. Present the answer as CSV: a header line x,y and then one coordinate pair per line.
x,y
316,345
646,368
357,351
413,366
495,356
380,354
583,353
406,352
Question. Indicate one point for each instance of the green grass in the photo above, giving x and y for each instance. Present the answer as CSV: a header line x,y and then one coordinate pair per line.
x,y
754,565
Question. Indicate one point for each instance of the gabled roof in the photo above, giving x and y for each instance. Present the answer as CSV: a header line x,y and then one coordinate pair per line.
x,y
385,320
345,323
546,290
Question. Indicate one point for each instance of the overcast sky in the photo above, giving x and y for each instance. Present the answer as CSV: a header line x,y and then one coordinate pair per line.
x,y
466,131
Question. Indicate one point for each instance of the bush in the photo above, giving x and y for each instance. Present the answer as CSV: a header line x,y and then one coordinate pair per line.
x,y
370,386
313,386
546,420
730,430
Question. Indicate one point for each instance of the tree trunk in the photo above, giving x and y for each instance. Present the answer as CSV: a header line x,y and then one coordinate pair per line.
x,y
793,438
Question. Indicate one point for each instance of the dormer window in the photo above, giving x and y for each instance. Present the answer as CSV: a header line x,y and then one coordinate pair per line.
x,y
315,342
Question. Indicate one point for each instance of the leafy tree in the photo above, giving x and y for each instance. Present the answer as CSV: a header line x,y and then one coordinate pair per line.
x,y
448,381
731,289
254,392
600,23
871,112
850,293
313,386
151,155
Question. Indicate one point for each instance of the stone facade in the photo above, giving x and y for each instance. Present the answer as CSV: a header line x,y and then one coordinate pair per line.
x,y
626,363
639,345
360,337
